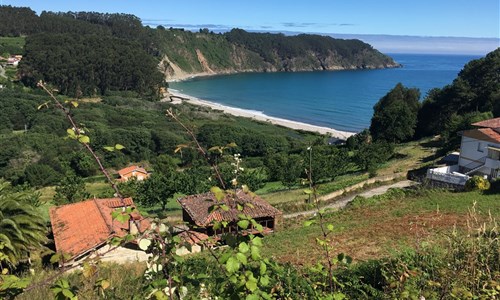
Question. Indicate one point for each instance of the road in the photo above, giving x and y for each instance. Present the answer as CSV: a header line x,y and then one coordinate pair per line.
x,y
342,202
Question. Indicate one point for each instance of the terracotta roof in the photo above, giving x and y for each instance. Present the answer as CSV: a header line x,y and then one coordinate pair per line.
x,y
483,134
200,207
491,123
193,237
82,226
131,169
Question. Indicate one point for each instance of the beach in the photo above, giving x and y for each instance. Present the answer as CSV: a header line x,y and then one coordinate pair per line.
x,y
259,116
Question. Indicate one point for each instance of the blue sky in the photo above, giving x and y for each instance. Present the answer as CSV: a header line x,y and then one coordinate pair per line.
x,y
434,18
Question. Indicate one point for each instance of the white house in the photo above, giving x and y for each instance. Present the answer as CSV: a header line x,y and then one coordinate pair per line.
x,y
479,155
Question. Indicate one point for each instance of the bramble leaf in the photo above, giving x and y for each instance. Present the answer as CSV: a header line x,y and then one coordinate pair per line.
x,y
144,244
243,247
308,223
84,139
232,265
243,224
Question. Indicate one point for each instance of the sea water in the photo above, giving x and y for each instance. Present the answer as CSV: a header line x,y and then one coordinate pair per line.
x,y
341,100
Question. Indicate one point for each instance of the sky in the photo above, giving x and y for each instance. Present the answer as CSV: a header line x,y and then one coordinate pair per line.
x,y
423,18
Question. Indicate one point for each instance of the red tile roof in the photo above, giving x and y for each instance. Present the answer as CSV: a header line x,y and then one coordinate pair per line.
x,y
491,123
193,237
83,226
123,172
483,134
200,207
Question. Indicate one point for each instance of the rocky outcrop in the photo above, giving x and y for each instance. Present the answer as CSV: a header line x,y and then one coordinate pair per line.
x,y
194,54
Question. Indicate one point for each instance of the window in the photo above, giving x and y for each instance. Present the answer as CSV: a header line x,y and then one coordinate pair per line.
x,y
480,147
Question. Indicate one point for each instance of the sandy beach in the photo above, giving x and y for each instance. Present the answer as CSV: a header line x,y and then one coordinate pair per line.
x,y
259,116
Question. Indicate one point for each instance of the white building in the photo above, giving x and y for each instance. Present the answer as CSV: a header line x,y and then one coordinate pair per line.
x,y
479,155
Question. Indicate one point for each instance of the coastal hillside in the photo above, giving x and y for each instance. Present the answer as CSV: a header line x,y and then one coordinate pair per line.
x,y
58,44
187,53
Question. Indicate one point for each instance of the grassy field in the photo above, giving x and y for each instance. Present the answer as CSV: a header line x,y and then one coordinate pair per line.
x,y
12,45
382,225
407,156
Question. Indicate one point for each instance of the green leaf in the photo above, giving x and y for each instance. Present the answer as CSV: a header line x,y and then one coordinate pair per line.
x,y
68,293
241,258
71,133
252,297
123,218
84,139
264,280
257,241
263,268
231,145
251,285
115,241
255,252
232,265
308,223
218,193
110,149
308,191
243,224
330,227
119,147
243,247
144,244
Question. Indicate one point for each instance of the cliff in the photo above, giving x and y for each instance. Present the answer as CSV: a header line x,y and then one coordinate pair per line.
x,y
186,53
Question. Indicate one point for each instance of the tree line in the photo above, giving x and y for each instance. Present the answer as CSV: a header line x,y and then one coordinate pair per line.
x,y
474,95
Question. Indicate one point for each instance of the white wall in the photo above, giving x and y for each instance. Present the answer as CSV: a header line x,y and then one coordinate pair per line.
x,y
469,151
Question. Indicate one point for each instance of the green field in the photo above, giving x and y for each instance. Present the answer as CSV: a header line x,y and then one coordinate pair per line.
x,y
379,226
12,45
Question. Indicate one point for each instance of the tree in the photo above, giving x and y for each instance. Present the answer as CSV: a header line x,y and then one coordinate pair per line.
x,y
395,115
38,175
22,228
157,189
293,169
71,189
370,155
164,164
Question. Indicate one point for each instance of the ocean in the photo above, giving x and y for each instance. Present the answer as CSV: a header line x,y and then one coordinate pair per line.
x,y
342,100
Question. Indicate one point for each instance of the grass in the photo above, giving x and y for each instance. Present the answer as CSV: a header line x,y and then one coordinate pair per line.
x,y
12,45
408,156
378,226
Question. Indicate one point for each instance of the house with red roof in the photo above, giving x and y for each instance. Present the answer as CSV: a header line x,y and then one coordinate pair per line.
x,y
479,155
85,228
199,213
137,172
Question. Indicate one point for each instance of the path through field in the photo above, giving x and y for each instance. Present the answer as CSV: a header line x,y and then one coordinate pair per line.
x,y
342,202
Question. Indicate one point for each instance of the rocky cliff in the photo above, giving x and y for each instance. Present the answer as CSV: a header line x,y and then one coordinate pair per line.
x,y
186,53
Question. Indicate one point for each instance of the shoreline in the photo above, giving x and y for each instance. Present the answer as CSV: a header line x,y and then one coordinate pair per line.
x,y
260,116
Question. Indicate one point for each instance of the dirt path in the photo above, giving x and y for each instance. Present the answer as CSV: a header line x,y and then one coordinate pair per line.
x,y
342,202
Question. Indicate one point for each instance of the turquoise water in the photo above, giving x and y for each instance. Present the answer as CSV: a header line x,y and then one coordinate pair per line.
x,y
338,99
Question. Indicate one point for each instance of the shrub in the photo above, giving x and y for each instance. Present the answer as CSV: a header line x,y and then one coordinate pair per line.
x,y
477,183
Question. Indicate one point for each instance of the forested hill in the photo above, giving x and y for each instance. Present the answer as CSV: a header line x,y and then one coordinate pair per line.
x,y
85,53
241,51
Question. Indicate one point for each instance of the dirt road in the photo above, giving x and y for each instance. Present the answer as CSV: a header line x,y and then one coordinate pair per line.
x,y
342,202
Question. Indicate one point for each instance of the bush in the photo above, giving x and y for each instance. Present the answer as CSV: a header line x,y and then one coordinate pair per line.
x,y
477,183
